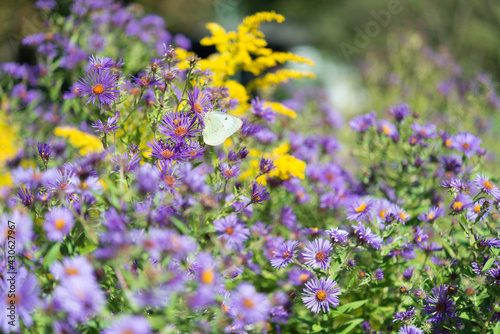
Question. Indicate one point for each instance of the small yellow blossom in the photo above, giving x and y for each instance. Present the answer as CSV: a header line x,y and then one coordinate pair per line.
x,y
281,109
86,142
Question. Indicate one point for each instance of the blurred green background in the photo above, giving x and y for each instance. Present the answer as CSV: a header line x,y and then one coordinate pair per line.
x,y
469,28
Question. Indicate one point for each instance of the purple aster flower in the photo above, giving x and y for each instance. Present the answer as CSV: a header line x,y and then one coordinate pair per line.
x,y
494,242
261,111
146,178
461,202
477,210
420,236
494,274
199,103
466,143
23,232
317,254
360,209
44,151
98,63
79,298
26,196
431,214
125,162
439,306
405,316
428,130
45,5
167,152
25,299
299,277
259,193
428,248
252,306
266,166
109,126
145,80
231,231
321,294
129,324
483,183
409,329
249,129
170,175
363,122
78,266
229,171
364,236
99,85
414,139
266,136
386,127
285,255
379,274
179,126
58,223
400,112
338,236
408,273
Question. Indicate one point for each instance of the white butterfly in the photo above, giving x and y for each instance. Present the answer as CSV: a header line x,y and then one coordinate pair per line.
x,y
219,126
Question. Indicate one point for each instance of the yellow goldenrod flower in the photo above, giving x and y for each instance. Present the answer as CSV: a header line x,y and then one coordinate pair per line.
x,y
8,144
282,75
86,142
281,109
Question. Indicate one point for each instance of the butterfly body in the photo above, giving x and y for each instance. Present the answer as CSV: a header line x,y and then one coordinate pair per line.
x,y
219,126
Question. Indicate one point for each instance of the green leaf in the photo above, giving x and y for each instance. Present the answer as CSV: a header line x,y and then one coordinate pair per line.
x,y
52,254
180,225
317,328
488,264
350,325
496,329
351,306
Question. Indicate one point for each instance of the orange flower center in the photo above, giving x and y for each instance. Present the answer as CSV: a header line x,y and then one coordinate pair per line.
x,y
382,213
180,131
477,208
230,230
447,143
320,295
197,108
224,308
488,185
167,154
386,130
59,224
98,89
303,277
320,256
228,173
466,146
170,180
207,276
286,255
70,271
248,303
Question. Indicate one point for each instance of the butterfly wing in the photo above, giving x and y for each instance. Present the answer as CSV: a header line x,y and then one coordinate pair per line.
x,y
214,132
231,124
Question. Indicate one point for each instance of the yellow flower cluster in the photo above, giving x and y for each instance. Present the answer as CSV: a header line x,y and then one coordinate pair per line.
x,y
286,165
86,142
245,50
9,144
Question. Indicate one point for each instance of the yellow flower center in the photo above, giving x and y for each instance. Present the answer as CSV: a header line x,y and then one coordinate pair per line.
x,y
321,295
207,276
197,108
303,277
71,271
477,208
430,216
361,208
457,206
447,143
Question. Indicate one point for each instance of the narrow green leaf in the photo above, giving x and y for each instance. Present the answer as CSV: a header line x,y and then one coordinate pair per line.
x,y
351,306
488,264
350,325
51,255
